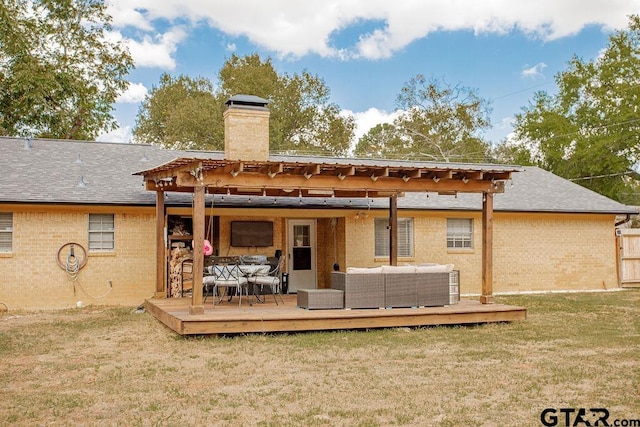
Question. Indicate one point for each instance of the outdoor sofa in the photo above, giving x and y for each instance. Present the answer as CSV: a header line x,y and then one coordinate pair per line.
x,y
397,286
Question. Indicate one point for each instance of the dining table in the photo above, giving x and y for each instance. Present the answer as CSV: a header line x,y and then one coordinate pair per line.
x,y
247,270
250,270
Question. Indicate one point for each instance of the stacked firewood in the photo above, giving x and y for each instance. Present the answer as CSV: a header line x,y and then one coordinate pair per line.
x,y
176,285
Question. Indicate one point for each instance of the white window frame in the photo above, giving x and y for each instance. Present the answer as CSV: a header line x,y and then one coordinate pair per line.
x,y
102,235
459,233
405,237
6,232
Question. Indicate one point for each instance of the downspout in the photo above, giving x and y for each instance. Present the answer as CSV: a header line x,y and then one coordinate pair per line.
x,y
624,221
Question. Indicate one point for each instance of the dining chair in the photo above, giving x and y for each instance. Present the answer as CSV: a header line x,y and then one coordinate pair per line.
x,y
227,277
208,279
270,279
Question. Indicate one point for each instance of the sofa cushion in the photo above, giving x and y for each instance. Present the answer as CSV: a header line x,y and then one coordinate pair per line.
x,y
398,269
438,268
364,270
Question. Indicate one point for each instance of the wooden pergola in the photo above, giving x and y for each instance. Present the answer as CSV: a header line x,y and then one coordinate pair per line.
x,y
289,176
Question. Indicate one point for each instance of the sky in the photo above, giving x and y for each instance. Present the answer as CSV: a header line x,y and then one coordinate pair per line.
x,y
367,50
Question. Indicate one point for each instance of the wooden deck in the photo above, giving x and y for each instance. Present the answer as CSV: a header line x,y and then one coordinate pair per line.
x,y
228,318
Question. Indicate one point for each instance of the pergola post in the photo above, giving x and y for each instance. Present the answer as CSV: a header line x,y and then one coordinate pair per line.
x,y
393,230
197,306
161,255
487,249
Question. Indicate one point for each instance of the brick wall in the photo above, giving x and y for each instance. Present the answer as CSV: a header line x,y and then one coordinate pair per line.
x,y
30,277
532,252
246,134
330,242
554,252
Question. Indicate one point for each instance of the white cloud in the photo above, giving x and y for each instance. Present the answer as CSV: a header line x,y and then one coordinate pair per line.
x,y
135,93
121,134
505,123
534,72
153,50
296,28
125,14
366,120
157,51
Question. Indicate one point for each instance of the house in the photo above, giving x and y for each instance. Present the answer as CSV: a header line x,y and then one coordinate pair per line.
x,y
59,196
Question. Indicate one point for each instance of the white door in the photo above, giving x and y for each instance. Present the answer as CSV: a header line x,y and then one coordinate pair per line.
x,y
301,254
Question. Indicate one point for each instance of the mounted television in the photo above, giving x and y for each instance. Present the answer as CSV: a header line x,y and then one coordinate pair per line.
x,y
251,233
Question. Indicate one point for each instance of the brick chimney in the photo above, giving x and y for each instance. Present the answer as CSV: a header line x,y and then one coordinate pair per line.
x,y
246,128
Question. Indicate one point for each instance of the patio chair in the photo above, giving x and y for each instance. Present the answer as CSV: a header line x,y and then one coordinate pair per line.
x,y
270,279
208,279
228,277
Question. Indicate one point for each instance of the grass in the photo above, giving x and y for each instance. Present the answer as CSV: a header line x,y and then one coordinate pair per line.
x,y
98,366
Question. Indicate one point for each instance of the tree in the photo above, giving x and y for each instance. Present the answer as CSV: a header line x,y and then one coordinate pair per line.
x,y
181,113
59,74
437,121
511,152
590,130
382,140
248,75
301,117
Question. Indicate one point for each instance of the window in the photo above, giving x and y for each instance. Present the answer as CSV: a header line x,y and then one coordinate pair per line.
x,y
459,233
405,237
6,232
101,232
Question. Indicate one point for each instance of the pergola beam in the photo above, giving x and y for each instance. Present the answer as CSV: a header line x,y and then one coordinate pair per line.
x,y
219,182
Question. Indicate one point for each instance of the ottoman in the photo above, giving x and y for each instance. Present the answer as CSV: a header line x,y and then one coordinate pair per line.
x,y
315,299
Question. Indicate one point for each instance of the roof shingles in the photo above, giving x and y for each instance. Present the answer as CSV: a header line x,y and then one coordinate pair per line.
x,y
50,171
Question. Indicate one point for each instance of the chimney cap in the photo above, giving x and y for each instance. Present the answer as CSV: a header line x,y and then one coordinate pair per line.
x,y
250,101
